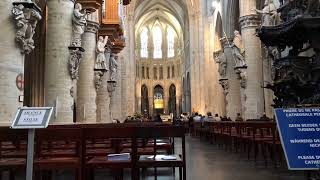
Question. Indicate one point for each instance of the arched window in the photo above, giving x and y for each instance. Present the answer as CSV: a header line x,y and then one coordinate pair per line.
x,y
170,40
144,43
157,42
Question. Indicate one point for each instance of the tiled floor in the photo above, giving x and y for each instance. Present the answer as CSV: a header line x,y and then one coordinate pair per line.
x,y
209,162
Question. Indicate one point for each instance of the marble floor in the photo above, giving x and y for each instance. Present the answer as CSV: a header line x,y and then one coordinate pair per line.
x,y
209,162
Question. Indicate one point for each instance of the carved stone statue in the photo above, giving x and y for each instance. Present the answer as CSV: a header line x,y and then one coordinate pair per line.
x,y
269,13
243,79
74,63
101,60
238,50
222,64
98,79
113,67
26,22
225,85
79,22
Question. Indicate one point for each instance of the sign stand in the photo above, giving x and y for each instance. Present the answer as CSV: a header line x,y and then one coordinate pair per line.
x,y
31,118
31,133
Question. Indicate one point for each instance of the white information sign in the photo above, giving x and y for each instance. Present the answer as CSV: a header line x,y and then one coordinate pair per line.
x,y
32,117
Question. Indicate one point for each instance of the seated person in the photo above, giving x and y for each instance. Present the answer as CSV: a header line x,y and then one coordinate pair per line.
x,y
265,118
239,118
197,118
209,117
224,118
217,118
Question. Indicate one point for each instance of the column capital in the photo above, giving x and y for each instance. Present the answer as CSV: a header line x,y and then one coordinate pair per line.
x,y
92,27
26,15
249,21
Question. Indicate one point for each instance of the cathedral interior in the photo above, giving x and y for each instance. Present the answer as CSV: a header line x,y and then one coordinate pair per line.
x,y
102,62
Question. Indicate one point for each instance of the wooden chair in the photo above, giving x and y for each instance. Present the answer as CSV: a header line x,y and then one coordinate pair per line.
x,y
144,161
58,148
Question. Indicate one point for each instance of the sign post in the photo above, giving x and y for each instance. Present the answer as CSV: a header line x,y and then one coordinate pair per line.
x,y
31,118
299,130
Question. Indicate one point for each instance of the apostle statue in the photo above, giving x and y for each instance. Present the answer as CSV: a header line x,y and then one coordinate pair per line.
x,y
79,22
101,61
238,50
222,64
269,13
113,67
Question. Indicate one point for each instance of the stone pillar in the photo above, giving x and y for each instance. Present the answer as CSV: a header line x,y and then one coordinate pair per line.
x,y
253,92
103,101
115,101
233,100
11,65
267,78
58,82
86,91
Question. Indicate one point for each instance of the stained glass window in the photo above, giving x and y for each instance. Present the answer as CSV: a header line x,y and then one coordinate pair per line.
x,y
157,42
170,40
144,43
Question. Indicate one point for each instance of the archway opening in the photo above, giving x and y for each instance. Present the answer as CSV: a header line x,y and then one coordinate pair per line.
x,y
158,100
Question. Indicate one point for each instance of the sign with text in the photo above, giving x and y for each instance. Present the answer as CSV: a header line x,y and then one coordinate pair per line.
x,y
300,137
32,117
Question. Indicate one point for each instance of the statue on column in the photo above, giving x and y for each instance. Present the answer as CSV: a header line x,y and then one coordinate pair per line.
x,y
238,50
26,21
269,14
222,60
113,67
79,22
101,60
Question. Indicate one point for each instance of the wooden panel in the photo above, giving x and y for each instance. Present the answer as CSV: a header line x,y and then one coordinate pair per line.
x,y
112,15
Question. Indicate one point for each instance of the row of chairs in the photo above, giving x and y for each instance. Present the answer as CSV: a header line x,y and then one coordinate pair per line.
x,y
252,137
85,148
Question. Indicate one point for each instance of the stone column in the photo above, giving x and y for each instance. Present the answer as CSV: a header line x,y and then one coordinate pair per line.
x,y
115,101
58,82
253,92
232,86
86,91
103,101
11,65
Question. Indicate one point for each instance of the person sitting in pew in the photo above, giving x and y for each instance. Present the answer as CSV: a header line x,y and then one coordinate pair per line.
x,y
264,117
217,118
224,118
239,118
209,117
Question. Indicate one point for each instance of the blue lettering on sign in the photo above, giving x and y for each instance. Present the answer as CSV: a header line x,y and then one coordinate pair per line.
x,y
300,137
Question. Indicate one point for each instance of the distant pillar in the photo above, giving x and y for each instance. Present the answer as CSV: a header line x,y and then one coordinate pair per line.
x,y
253,91
86,91
58,83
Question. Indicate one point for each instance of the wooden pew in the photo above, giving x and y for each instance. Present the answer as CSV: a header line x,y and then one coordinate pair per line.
x,y
144,161
58,148
13,150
